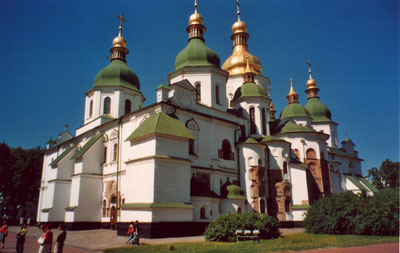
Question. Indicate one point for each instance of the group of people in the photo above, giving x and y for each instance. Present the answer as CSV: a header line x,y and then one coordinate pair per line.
x,y
45,241
133,232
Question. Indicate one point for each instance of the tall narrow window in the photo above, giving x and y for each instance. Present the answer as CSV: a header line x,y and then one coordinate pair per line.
x,y
202,213
128,106
262,206
198,94
91,108
252,121
191,146
115,153
264,126
226,150
217,94
107,106
105,154
284,168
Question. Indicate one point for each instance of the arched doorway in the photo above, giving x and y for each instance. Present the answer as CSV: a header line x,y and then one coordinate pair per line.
x,y
113,217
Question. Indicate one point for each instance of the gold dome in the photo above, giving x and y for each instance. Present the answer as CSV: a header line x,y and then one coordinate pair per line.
x,y
119,41
239,27
195,19
311,83
236,63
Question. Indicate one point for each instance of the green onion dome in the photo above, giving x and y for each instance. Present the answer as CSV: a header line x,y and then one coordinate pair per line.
x,y
250,90
117,74
196,53
235,192
318,111
294,110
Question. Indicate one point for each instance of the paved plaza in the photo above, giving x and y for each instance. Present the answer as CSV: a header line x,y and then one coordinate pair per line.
x,y
100,239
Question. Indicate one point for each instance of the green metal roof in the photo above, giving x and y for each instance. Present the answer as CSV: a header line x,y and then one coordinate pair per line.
x,y
63,137
250,90
86,147
294,110
62,155
269,138
162,86
235,192
156,205
250,141
117,74
161,123
300,207
368,184
318,111
291,127
196,53
357,183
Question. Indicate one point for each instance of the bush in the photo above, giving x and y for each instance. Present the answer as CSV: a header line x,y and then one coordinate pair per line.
x,y
348,213
223,228
380,215
333,214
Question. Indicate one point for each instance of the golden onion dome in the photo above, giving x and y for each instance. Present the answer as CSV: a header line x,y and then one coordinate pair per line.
x,y
195,19
239,27
311,83
236,63
271,106
119,41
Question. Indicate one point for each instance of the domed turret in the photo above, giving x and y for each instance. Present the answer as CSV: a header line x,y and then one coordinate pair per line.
x,y
196,53
293,109
318,111
118,73
236,63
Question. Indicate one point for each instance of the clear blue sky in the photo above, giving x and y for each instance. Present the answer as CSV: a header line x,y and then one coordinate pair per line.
x,y
51,51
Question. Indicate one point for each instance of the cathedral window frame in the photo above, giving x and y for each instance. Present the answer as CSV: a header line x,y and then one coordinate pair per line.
x,y
194,128
252,118
128,106
107,105
263,122
217,95
115,152
198,89
90,108
203,212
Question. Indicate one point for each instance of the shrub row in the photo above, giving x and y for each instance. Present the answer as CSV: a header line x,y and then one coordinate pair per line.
x,y
223,228
348,213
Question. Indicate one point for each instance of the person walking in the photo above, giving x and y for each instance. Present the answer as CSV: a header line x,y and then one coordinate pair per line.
x,y
21,239
47,239
3,234
136,233
130,233
61,236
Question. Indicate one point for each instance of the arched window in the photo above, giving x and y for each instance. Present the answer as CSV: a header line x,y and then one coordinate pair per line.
x,y
284,167
203,213
217,94
104,208
115,151
287,205
262,206
105,154
113,199
198,94
252,121
239,210
226,150
128,106
123,201
107,106
91,108
191,146
310,154
264,126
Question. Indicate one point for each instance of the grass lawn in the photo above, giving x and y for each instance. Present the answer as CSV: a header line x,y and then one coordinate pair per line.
x,y
300,241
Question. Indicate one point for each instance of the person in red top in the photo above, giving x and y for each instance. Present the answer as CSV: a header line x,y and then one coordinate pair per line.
x,y
130,233
3,234
48,240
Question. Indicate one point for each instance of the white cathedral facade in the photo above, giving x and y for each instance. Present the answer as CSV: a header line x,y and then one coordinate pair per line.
x,y
210,145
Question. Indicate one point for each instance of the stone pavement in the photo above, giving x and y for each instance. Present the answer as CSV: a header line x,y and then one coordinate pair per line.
x,y
100,239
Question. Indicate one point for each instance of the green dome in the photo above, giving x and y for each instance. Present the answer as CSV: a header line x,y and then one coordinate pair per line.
x,y
317,110
294,110
250,90
291,127
196,53
117,74
235,192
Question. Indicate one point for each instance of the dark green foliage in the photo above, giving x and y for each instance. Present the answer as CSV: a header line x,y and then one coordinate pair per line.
x,y
348,213
333,214
223,228
386,176
380,214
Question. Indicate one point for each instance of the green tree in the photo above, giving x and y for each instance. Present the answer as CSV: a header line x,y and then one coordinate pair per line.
x,y
386,176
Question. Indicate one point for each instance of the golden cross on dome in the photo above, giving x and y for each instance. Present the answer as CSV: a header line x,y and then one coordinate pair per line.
x,y
121,19
291,81
195,5
237,7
